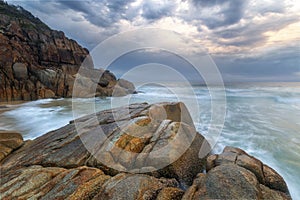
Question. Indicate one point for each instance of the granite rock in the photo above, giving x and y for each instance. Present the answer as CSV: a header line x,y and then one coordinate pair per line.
x,y
37,62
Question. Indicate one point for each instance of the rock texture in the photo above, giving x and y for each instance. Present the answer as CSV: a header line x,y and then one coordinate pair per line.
x,y
37,182
136,139
137,152
37,62
9,141
137,186
236,175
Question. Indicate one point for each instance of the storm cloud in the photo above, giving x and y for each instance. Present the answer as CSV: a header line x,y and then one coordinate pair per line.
x,y
153,10
246,38
227,12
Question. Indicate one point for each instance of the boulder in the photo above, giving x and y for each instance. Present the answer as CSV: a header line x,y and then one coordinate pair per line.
x,y
127,85
273,180
20,71
234,174
268,193
226,181
119,91
265,175
137,186
159,140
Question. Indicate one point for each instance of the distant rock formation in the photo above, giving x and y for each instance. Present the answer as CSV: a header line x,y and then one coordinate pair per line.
x,y
37,62
58,165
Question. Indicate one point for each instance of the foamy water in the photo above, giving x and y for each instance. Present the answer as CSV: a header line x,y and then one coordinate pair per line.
x,y
263,120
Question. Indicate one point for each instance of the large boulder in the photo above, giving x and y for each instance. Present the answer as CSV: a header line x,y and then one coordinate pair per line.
x,y
265,175
226,181
159,140
137,186
20,71
127,85
236,175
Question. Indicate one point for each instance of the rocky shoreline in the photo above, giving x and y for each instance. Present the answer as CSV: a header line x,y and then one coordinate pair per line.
x,y
137,152
37,62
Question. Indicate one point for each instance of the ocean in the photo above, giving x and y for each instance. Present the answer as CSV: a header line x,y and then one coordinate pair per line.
x,y
263,119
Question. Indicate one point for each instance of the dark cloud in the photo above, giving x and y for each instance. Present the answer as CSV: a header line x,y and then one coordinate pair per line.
x,y
278,64
252,33
230,12
156,10
118,6
223,23
103,13
81,6
141,57
267,66
96,12
47,7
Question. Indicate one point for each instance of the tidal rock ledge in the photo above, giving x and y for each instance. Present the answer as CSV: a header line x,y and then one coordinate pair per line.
x,y
137,152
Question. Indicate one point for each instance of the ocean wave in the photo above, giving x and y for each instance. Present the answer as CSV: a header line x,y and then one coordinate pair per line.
x,y
263,121
287,100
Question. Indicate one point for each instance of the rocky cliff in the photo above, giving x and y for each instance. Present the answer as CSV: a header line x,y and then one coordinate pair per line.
x,y
137,152
37,62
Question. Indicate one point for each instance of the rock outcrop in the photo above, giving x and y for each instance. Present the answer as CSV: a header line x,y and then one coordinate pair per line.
x,y
160,140
236,175
37,62
137,152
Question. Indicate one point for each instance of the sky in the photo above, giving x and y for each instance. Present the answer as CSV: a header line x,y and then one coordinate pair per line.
x,y
248,40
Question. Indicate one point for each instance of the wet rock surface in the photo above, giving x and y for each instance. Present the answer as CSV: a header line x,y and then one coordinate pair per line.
x,y
137,152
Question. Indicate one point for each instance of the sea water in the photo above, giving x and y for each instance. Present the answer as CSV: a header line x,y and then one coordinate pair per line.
x,y
262,119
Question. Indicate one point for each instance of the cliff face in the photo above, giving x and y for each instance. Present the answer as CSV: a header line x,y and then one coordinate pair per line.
x,y
37,62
